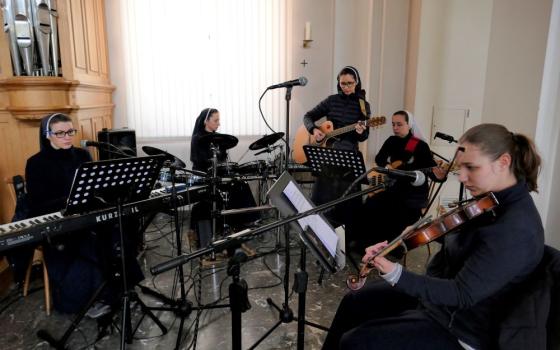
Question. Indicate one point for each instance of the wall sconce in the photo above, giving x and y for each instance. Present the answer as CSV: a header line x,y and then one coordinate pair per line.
x,y
307,35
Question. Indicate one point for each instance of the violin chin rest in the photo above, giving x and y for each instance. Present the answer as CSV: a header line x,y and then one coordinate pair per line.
x,y
354,282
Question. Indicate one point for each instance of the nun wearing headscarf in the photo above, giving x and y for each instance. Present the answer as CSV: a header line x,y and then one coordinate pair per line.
x,y
346,107
77,262
240,196
49,175
207,122
342,109
401,204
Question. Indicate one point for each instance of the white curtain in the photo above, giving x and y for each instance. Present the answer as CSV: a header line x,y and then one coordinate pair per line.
x,y
185,55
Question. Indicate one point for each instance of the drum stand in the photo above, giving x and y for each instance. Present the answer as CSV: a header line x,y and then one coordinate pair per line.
x,y
214,193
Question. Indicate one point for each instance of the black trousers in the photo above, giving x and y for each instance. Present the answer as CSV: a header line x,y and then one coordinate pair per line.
x,y
382,217
380,317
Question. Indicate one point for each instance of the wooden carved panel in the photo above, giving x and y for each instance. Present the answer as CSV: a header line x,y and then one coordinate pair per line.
x,y
86,44
91,36
78,45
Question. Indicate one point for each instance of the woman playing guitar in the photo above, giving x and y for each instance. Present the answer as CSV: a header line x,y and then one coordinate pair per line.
x,y
346,107
401,204
458,304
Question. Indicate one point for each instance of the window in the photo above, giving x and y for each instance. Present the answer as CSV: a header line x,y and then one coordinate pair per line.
x,y
184,55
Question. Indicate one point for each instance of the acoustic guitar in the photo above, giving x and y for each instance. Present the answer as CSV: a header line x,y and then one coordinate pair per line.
x,y
375,178
303,137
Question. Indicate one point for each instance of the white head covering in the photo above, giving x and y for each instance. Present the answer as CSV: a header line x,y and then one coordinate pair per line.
x,y
416,130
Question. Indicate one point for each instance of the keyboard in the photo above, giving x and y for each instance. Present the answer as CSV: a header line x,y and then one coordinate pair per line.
x,y
36,229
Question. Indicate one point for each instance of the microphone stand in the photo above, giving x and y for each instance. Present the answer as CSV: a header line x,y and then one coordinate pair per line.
x,y
106,145
286,315
461,186
213,194
119,152
288,98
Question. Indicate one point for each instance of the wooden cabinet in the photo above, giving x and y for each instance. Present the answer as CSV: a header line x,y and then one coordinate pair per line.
x,y
84,91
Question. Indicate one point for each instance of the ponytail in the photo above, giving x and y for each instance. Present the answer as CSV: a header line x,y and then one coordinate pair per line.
x,y
495,140
526,162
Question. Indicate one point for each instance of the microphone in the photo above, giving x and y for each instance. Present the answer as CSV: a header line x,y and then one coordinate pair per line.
x,y
416,177
299,81
87,143
106,146
448,138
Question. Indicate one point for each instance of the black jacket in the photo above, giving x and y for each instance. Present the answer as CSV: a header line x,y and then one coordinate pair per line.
x,y
201,154
530,317
342,110
49,175
478,266
393,150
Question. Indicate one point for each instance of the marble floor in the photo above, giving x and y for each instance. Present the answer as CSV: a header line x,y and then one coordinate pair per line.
x,y
21,318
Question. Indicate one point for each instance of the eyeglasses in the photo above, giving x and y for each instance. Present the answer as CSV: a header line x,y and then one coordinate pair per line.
x,y
347,83
60,134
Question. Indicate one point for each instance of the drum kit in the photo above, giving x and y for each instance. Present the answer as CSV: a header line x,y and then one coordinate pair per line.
x,y
225,178
251,170
255,168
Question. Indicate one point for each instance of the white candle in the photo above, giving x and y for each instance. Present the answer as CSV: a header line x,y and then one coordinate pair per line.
x,y
307,33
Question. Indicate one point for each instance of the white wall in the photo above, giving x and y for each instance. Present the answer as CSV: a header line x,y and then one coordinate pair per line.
x,y
547,136
515,63
430,58
388,52
450,72
452,59
116,60
319,55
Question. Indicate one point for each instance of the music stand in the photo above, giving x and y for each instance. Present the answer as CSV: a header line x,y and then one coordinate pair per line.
x,y
316,234
103,184
340,163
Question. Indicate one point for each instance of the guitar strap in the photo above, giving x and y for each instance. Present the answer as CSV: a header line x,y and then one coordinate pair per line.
x,y
411,144
363,107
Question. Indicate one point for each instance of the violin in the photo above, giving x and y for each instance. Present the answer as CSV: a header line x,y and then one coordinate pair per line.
x,y
427,230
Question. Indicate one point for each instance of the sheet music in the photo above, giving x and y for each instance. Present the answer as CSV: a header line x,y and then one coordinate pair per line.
x,y
325,233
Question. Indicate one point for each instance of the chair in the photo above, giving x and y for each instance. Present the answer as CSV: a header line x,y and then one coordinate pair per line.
x,y
18,194
38,259
532,319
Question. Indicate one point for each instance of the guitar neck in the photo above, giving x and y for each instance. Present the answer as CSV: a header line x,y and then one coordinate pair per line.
x,y
343,130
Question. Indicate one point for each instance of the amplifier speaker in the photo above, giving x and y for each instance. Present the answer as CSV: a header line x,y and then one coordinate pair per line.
x,y
123,139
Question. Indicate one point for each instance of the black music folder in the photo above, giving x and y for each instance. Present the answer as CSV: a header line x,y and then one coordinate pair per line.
x,y
98,184
336,163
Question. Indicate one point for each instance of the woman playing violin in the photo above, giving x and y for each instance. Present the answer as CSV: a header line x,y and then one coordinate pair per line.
x,y
457,304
